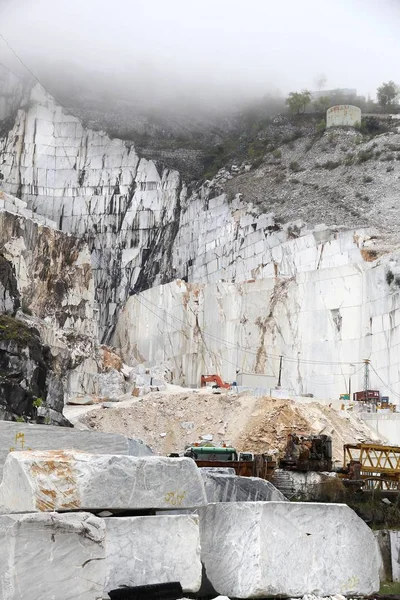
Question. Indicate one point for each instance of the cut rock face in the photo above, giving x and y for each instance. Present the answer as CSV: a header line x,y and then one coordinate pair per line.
x,y
253,550
52,556
153,549
221,487
67,480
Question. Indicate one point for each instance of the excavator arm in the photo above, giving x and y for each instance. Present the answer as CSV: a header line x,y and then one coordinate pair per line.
x,y
216,379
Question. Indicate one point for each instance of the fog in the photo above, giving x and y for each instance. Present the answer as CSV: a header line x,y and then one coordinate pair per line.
x,y
209,51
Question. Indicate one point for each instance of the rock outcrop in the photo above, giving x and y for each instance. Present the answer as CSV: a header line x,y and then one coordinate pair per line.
x,y
333,304
319,296
99,187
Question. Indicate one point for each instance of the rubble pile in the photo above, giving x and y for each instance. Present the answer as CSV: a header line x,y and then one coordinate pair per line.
x,y
168,421
108,522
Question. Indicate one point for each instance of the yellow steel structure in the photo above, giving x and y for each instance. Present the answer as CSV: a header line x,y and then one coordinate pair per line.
x,y
380,465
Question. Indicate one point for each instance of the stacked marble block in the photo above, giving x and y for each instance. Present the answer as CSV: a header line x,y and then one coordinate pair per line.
x,y
53,547
249,549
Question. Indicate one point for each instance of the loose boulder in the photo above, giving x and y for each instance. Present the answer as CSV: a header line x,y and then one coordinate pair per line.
x,y
153,549
68,480
221,487
259,549
52,556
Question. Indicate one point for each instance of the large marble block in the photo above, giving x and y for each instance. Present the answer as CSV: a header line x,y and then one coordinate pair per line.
x,y
153,549
258,549
227,487
21,436
52,557
67,480
395,554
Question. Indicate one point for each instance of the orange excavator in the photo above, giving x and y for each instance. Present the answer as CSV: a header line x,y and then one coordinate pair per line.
x,y
216,380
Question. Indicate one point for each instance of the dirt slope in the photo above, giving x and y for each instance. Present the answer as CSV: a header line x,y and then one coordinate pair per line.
x,y
167,422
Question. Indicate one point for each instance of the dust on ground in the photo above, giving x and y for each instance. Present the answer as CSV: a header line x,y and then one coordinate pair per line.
x,y
167,422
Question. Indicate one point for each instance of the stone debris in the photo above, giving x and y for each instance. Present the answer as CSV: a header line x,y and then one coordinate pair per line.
x,y
68,480
153,549
253,424
260,549
48,556
221,487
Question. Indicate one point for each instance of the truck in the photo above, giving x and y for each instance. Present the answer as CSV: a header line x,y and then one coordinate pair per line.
x,y
246,464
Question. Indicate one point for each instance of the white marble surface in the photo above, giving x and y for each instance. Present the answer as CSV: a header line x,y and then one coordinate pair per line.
x,y
52,557
253,550
322,320
89,183
66,480
21,436
153,549
231,488
395,550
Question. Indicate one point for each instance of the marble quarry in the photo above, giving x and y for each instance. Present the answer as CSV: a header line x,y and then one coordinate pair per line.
x,y
335,307
231,288
52,556
95,186
153,549
35,481
262,549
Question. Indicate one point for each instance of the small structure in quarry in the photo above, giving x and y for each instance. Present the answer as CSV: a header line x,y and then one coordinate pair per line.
x,y
343,115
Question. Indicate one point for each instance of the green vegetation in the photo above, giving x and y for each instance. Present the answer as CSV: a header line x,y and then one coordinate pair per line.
x,y
13,330
297,102
388,94
294,166
322,104
390,588
218,156
365,155
277,154
37,403
321,126
331,164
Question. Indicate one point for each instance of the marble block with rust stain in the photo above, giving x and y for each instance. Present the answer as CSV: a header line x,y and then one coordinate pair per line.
x,y
265,549
46,556
67,480
153,549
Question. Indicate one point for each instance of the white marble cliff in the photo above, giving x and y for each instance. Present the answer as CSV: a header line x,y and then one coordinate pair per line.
x,y
218,284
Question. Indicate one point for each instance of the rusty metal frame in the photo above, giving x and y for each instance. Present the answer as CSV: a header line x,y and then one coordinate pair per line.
x,y
380,465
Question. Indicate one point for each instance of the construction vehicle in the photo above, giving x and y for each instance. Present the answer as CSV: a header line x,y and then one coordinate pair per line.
x,y
216,380
375,465
245,464
307,453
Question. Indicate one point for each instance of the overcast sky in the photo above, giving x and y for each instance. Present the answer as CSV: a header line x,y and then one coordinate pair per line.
x,y
242,47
